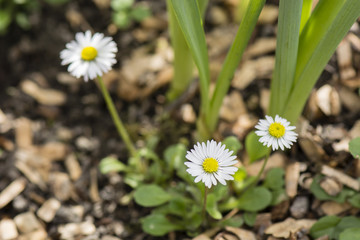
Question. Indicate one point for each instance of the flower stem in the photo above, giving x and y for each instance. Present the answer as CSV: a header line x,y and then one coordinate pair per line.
x,y
256,180
204,207
116,119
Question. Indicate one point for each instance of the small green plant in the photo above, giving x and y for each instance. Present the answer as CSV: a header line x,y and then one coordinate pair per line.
x,y
18,11
337,228
125,12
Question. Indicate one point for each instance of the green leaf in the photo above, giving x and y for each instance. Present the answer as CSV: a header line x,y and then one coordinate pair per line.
x,y
121,19
5,19
250,218
175,155
121,4
350,234
158,225
151,196
22,20
240,175
345,223
254,148
326,27
212,208
355,200
286,54
354,147
305,13
235,221
189,18
320,194
255,199
325,226
111,164
233,58
278,196
274,179
139,13
233,144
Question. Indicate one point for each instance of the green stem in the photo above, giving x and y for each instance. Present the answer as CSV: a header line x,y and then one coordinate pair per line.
x,y
116,119
204,207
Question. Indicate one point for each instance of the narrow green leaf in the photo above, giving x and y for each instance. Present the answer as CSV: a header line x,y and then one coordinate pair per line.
x,y
286,53
151,196
325,226
326,27
354,147
158,225
189,18
255,199
305,13
232,60
350,234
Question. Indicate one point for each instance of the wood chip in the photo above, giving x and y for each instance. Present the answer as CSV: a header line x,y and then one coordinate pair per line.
x,y
27,222
269,14
94,190
188,114
328,100
349,99
53,151
292,178
8,229
312,149
23,133
242,234
243,125
207,234
44,96
334,208
48,210
331,186
299,207
12,191
261,47
344,59
252,69
286,228
341,177
39,234
233,106
61,185
73,167
70,230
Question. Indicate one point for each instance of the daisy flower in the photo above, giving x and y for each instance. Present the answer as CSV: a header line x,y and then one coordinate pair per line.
x,y
210,163
89,56
276,132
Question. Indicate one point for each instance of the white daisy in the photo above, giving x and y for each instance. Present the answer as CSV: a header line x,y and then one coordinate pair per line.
x,y
210,163
89,56
276,133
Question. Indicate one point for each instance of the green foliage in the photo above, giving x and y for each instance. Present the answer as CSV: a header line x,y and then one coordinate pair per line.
x,y
354,147
254,148
158,225
233,144
336,228
111,164
150,196
125,12
19,11
274,179
250,218
320,194
255,199
350,234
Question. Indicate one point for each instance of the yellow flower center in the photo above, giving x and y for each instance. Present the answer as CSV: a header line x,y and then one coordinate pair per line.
x,y
88,53
277,130
210,165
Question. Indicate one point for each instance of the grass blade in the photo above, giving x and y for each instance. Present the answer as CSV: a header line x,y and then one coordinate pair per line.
x,y
326,27
286,53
